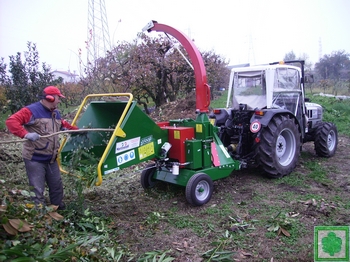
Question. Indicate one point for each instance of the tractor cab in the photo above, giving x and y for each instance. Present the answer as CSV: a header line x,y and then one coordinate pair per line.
x,y
267,87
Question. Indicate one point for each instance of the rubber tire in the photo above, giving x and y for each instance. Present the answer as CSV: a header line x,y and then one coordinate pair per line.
x,y
194,194
279,149
146,177
326,139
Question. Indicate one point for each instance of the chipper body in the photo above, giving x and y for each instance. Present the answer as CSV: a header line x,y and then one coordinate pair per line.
x,y
184,152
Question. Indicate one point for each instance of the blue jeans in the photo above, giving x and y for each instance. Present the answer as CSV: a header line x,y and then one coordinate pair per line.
x,y
41,173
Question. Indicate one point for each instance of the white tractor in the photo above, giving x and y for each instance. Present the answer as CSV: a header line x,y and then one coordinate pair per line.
x,y
267,118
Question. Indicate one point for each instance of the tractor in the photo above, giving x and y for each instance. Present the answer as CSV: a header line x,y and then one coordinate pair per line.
x,y
267,118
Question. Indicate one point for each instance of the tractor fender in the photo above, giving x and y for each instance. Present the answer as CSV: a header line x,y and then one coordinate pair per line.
x,y
258,121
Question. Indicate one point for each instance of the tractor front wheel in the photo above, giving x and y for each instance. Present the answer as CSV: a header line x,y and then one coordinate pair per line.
x,y
199,189
279,147
326,140
147,180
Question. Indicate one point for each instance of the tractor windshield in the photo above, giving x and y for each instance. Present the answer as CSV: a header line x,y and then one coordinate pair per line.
x,y
249,88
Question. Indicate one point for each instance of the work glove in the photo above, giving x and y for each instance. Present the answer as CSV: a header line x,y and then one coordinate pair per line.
x,y
32,136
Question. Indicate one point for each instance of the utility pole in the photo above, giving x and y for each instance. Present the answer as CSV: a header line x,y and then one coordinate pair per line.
x,y
251,54
98,40
319,49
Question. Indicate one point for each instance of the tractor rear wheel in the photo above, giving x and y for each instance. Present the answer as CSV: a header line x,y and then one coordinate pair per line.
x,y
326,140
279,148
199,189
147,180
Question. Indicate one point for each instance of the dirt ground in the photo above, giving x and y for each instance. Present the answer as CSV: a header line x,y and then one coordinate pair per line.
x,y
161,219
130,206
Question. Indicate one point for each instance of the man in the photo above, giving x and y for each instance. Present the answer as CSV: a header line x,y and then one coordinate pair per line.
x,y
40,153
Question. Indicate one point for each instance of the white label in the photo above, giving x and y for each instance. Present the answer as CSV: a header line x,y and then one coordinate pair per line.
x,y
127,145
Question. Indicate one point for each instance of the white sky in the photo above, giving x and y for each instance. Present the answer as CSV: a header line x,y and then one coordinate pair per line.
x,y
255,31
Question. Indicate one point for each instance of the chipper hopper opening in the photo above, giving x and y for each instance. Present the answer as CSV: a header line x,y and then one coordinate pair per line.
x,y
136,137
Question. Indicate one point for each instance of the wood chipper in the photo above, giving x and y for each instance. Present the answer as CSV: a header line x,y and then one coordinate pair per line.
x,y
184,152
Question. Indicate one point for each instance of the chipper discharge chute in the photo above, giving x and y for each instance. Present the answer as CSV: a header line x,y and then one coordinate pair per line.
x,y
184,152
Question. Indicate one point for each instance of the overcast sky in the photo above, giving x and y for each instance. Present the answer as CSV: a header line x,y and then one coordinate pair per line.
x,y
255,31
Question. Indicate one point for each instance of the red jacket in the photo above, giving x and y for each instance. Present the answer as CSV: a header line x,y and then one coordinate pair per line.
x,y
39,119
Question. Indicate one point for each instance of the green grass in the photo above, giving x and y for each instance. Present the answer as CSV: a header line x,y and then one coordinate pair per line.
x,y
335,111
220,100
3,117
296,180
254,201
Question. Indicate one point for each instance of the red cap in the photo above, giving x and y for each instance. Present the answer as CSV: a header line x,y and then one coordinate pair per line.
x,y
52,90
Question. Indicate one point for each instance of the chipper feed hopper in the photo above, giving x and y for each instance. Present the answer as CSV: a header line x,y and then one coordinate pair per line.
x,y
184,152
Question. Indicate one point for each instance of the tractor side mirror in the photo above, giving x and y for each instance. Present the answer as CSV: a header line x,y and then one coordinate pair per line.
x,y
309,78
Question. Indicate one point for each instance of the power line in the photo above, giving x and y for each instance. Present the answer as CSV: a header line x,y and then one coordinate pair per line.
x,y
98,39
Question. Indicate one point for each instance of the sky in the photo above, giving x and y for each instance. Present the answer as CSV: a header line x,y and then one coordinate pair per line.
x,y
242,31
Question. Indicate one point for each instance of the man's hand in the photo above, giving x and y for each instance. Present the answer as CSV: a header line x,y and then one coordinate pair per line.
x,y
32,136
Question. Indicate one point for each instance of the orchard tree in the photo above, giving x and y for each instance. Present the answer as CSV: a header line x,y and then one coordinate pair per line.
x,y
27,80
153,70
291,56
4,81
218,75
334,66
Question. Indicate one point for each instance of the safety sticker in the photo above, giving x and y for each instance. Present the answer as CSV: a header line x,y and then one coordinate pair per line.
x,y
146,140
125,157
111,170
146,150
199,128
127,145
255,126
177,134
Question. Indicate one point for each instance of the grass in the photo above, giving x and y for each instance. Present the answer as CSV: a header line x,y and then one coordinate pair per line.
x,y
220,100
120,221
3,117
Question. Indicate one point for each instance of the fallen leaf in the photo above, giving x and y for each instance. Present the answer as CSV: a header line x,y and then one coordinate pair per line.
x,y
9,229
3,208
48,219
29,205
25,193
51,208
56,216
246,254
308,202
285,232
294,214
20,225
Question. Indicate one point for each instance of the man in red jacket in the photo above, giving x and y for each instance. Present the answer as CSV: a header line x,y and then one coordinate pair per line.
x,y
40,153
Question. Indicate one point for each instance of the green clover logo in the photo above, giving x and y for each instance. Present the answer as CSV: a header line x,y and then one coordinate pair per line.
x,y
331,244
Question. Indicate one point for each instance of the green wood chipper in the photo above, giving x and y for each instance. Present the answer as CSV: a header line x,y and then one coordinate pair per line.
x,y
184,152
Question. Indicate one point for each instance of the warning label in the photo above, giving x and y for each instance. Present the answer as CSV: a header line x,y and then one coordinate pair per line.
x,y
125,157
146,150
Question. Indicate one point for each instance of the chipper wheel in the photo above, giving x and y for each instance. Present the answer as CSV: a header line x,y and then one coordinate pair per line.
x,y
146,177
326,140
199,189
279,147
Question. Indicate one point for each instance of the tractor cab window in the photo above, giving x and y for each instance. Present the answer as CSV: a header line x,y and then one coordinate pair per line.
x,y
249,88
287,91
287,79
